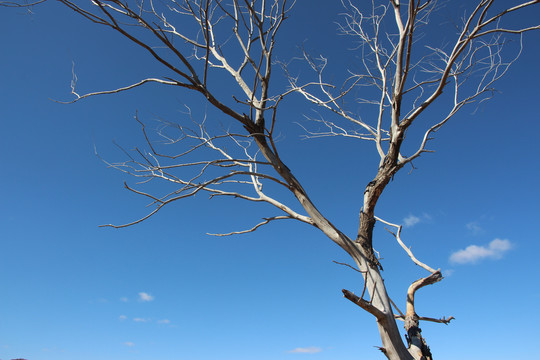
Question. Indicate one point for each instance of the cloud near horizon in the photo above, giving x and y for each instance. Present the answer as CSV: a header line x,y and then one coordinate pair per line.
x,y
145,297
474,253
306,350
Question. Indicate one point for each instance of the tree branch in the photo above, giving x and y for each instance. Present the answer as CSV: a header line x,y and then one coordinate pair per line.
x,y
407,250
266,221
442,320
366,305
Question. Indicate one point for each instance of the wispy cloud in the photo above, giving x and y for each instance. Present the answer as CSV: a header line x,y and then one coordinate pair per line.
x,y
124,299
145,297
305,350
140,320
164,321
448,272
411,220
474,253
129,343
122,317
474,228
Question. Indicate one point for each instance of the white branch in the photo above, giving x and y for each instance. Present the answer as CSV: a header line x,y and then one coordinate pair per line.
x,y
266,221
407,250
115,91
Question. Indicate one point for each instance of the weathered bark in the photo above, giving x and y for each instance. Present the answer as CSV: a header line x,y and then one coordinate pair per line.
x,y
417,344
392,342
379,306
393,346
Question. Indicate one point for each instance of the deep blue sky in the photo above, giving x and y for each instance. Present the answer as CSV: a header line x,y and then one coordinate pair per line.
x,y
163,289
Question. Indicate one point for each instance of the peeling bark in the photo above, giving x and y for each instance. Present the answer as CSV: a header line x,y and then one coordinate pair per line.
x,y
417,344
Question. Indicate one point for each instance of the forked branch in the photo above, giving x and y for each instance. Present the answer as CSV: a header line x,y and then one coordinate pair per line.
x,y
364,304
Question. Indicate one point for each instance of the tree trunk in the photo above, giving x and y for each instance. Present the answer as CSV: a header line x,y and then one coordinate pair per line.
x,y
393,346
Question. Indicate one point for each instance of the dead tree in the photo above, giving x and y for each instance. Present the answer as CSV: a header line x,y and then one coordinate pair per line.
x,y
195,40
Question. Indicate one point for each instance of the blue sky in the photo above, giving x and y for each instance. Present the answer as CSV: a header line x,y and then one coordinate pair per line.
x,y
163,289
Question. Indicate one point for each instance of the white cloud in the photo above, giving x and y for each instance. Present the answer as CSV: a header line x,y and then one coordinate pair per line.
x,y
129,343
306,350
473,253
164,321
145,297
140,320
474,228
122,317
124,299
411,220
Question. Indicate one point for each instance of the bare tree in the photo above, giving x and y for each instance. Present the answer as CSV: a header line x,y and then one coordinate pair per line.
x,y
402,75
